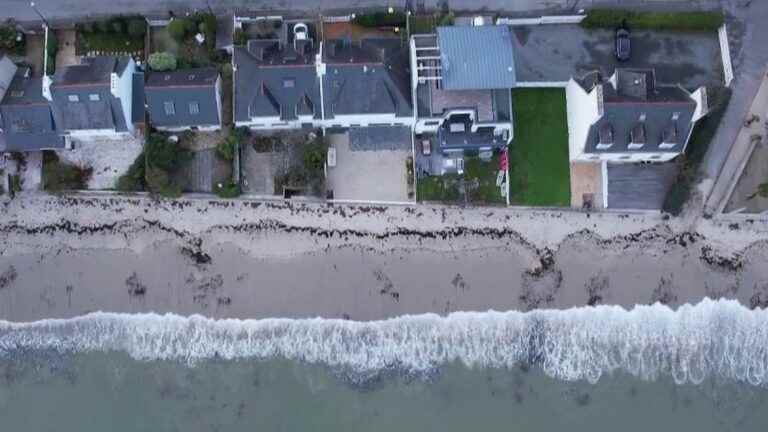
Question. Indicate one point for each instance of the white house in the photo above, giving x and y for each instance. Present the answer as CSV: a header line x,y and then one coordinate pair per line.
x,y
629,118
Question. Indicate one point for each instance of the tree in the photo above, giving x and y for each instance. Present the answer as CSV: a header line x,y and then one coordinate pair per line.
x,y
118,25
164,154
180,28
137,27
162,61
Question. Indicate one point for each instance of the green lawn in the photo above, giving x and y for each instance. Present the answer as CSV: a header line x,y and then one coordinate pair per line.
x,y
538,156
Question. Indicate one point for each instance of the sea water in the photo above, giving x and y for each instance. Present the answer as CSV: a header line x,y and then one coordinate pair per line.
x,y
700,367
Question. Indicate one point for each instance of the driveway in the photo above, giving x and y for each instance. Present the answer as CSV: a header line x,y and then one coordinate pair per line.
x,y
373,175
556,52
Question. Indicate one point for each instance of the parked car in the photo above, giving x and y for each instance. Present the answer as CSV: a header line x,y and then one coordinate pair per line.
x,y
623,46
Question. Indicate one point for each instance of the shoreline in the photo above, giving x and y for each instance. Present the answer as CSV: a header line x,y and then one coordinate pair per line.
x,y
76,255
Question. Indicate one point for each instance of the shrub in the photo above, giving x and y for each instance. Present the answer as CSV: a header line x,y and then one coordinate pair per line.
x,y
53,48
240,38
207,26
135,178
162,61
164,154
137,27
230,189
159,183
698,144
9,42
60,176
15,184
180,28
685,21
314,155
118,25
226,148
102,26
381,19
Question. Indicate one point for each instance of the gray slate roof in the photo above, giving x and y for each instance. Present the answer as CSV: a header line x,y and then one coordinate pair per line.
x,y
86,81
26,118
475,58
183,88
367,77
274,79
637,105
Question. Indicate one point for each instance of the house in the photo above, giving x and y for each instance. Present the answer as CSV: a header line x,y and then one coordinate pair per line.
x,y
629,117
26,120
184,99
93,99
276,80
461,80
366,82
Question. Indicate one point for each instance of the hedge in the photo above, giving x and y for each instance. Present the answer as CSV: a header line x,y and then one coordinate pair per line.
x,y
381,19
684,21
702,135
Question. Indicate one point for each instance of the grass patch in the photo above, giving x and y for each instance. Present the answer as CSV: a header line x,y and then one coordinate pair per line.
x,y
683,21
702,135
381,19
539,169
438,188
426,24
61,176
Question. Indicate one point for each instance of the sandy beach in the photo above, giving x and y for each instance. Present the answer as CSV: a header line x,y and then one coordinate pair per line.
x,y
63,257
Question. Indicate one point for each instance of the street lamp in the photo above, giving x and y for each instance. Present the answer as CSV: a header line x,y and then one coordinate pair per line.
x,y
32,5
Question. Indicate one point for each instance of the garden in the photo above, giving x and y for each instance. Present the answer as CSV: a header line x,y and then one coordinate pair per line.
x,y
539,168
682,21
477,185
12,41
187,42
120,35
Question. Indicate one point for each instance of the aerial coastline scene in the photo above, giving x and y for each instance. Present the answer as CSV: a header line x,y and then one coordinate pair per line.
x,y
222,216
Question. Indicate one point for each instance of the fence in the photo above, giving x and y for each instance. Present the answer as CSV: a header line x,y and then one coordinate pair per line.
x,y
725,52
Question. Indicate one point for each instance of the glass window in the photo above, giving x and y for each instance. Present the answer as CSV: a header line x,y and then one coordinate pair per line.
x,y
194,108
94,97
73,98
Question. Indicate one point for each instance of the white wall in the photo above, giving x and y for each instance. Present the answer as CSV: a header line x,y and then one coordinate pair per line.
x,y
125,93
625,157
582,110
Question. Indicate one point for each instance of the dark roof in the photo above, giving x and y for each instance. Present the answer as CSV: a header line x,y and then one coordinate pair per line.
x,y
26,118
637,110
482,137
202,77
92,71
366,77
192,93
275,82
474,58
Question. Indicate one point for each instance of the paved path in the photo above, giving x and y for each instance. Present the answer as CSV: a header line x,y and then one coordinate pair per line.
x,y
71,9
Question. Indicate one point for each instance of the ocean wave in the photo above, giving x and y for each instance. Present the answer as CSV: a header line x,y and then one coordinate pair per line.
x,y
712,338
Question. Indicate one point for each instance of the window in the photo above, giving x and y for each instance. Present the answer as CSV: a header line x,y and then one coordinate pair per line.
x,y
169,108
194,108
73,98
17,93
289,83
431,123
94,97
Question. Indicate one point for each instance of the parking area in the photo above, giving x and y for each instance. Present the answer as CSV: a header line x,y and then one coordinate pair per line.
x,y
555,52
109,158
639,186
370,175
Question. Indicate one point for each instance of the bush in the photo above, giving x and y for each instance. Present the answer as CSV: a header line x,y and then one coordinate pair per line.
x,y
137,27
180,28
163,154
59,176
314,155
135,178
118,25
702,135
159,183
240,38
53,48
684,21
15,184
162,61
9,43
230,189
102,27
207,26
381,19
226,148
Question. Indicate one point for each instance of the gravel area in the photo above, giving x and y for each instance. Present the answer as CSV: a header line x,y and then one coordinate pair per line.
x,y
109,158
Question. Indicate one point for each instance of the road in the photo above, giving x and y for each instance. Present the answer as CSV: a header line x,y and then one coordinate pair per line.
x,y
73,9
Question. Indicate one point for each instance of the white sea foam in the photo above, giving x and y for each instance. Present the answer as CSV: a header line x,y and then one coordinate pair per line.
x,y
720,338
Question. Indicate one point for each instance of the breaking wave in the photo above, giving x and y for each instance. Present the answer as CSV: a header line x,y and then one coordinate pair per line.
x,y
713,338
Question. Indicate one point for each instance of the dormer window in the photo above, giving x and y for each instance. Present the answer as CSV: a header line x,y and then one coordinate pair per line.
x,y
73,98
605,136
637,136
94,97
669,137
289,83
169,108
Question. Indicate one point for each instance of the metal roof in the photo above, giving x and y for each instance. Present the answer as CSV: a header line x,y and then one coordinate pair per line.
x,y
475,58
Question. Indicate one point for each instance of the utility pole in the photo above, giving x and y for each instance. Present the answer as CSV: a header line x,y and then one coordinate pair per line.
x,y
34,8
